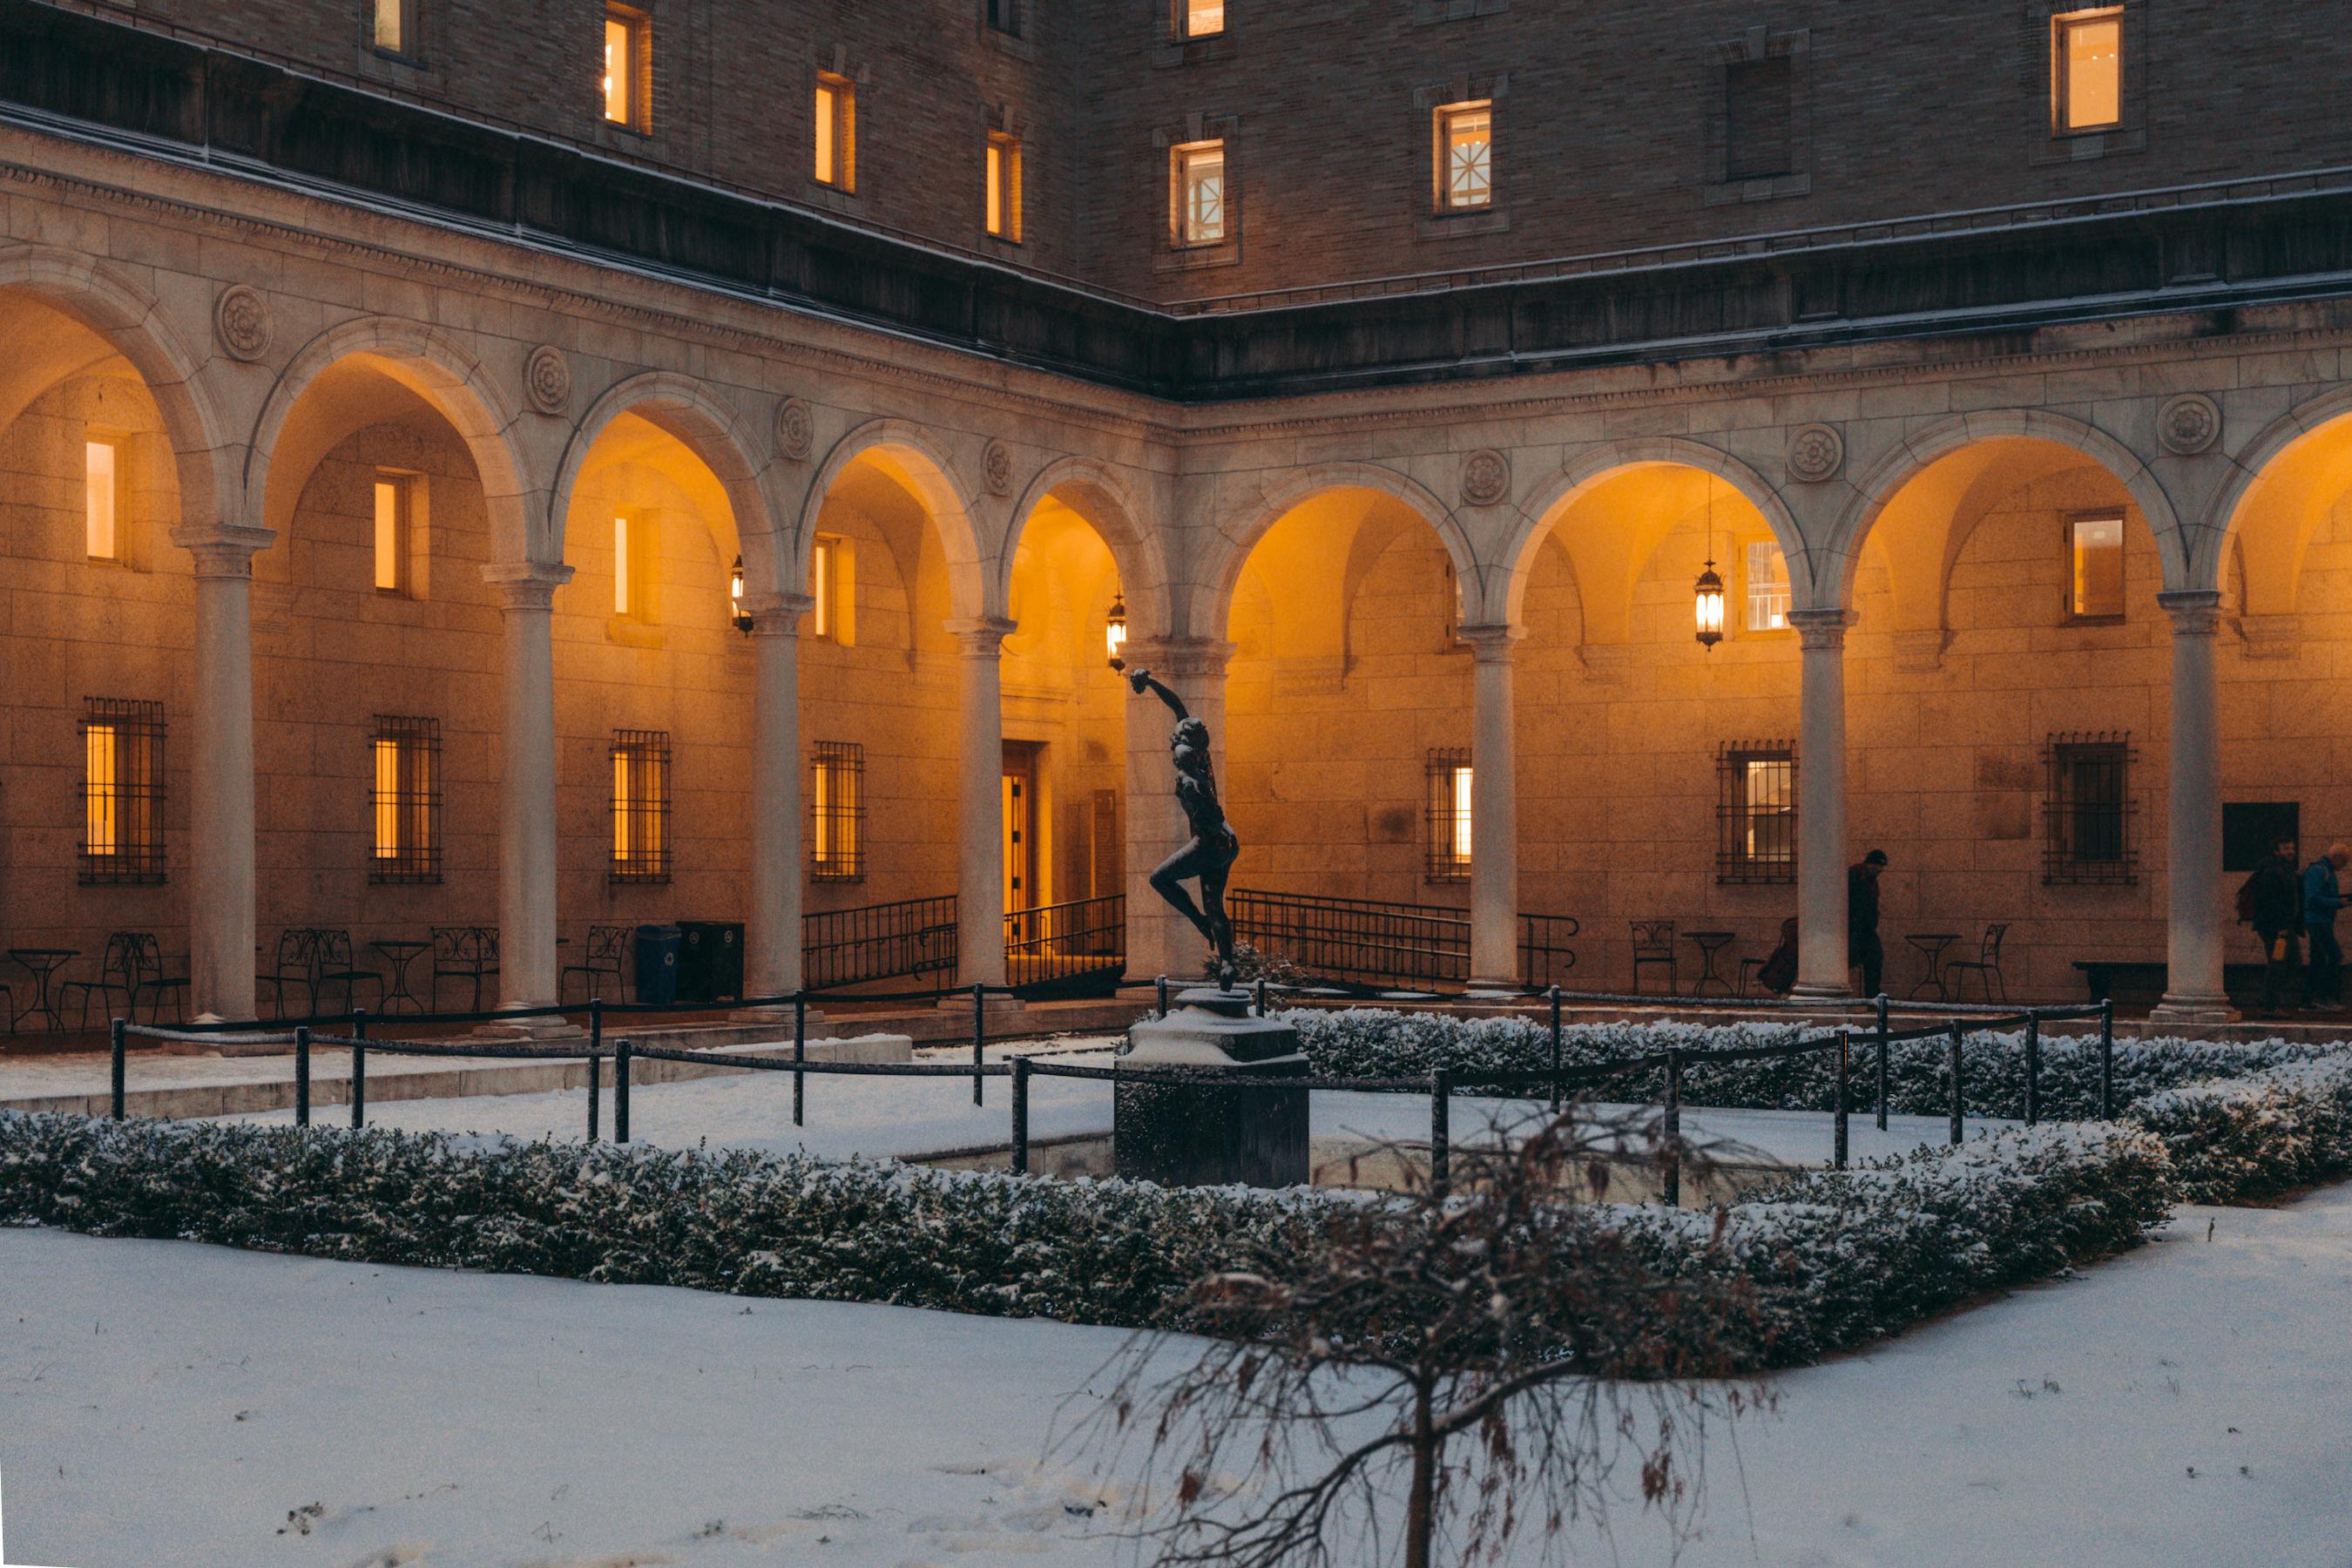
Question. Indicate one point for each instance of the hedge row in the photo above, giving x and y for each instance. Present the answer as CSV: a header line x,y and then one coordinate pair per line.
x,y
2230,1139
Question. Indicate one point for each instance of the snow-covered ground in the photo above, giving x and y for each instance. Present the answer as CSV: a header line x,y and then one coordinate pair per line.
x,y
900,1117
163,1404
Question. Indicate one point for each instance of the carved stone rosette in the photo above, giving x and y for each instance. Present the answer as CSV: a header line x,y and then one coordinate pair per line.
x,y
2190,424
796,429
1816,452
1486,477
241,320
547,379
996,468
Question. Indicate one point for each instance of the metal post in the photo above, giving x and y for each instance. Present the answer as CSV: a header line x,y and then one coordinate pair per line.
x,y
358,1070
1441,1160
620,1092
1261,995
978,1040
1161,985
1882,1061
117,1107
800,1055
1554,994
1955,1035
1846,1052
595,1024
2107,1058
2032,1068
596,1092
1020,1116
302,1076
1674,1126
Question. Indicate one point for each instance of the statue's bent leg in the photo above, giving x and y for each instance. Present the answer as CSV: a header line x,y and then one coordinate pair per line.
x,y
1168,881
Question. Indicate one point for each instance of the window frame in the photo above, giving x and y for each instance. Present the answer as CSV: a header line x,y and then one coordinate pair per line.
x,y
1442,118
1002,193
1181,157
1737,860
1450,784
2065,755
1002,16
833,586
642,791
2070,524
636,74
837,840
117,449
1180,20
406,800
1748,588
410,22
833,131
403,486
129,734
2062,25
1734,171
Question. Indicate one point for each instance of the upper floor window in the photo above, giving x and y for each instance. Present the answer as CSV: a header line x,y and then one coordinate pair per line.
x,y
1450,791
1004,15
833,586
1768,587
628,35
1465,156
631,565
1200,179
395,504
640,805
404,800
392,26
2096,545
836,133
123,791
1759,118
1199,18
1003,182
102,500
2088,74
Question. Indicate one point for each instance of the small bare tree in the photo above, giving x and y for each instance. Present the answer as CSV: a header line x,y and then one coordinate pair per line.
x,y
1508,1358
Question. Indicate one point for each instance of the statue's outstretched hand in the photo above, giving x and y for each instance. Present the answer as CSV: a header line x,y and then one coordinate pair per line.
x,y
1141,679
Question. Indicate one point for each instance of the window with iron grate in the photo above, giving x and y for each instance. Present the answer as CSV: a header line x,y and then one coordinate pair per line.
x,y
1756,812
640,805
837,811
2087,812
404,800
123,791
1449,815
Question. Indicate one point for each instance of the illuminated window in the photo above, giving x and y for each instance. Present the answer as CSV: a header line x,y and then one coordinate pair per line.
x,y
2096,545
1759,118
1200,192
640,805
832,584
2087,78
392,26
1449,815
1768,587
102,500
1004,178
404,800
836,133
123,791
1199,18
1465,156
628,75
393,500
1756,812
837,812
632,540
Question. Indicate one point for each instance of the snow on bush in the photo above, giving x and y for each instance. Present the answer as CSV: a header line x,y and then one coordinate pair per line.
x,y
2236,1138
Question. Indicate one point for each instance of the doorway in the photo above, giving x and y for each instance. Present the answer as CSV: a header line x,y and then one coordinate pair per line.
x,y
1021,888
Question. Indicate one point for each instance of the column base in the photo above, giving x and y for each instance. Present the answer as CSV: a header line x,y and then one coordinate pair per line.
x,y
534,1031
1801,992
781,1012
2192,1007
1494,991
952,1003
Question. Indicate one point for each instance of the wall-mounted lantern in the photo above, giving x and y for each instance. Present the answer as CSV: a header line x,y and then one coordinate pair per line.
x,y
1709,606
741,616
1115,630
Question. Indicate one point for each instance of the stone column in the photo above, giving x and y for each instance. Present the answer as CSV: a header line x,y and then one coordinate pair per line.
x,y
220,818
1158,940
979,770
1822,968
1494,812
2193,992
771,941
527,910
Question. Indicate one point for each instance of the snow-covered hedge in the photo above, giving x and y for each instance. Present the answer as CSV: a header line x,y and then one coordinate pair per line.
x,y
1845,1256
2238,1138
1383,1042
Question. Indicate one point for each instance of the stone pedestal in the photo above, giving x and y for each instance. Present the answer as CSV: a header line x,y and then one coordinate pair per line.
x,y
1210,1132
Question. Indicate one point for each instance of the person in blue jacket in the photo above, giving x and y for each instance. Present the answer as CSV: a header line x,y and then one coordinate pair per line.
x,y
2323,980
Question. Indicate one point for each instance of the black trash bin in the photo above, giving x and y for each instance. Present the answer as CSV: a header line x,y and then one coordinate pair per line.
x,y
710,962
658,954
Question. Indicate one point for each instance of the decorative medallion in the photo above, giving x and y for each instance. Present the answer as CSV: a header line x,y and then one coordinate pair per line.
x,y
1486,477
796,429
996,468
2190,424
547,378
1816,452
241,317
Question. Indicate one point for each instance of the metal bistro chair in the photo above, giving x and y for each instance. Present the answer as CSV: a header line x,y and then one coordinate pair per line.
x,y
1986,966
464,953
607,946
333,956
119,968
297,965
1653,944
155,979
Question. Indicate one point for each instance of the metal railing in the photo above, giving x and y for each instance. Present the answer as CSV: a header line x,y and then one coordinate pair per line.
x,y
1376,942
913,937
1068,949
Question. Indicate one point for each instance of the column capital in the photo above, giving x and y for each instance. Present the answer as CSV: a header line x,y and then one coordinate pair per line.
x,y
525,584
982,637
777,614
1492,644
2195,611
1180,657
223,549
1822,628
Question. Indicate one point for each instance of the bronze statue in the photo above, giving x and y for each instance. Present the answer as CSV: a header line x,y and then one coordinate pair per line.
x,y
1210,854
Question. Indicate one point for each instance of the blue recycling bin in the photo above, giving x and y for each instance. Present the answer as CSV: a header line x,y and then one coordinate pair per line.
x,y
657,951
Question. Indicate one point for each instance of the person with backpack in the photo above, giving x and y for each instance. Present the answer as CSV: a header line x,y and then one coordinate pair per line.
x,y
2323,978
2271,900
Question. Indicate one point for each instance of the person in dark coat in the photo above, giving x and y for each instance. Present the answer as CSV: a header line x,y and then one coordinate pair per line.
x,y
1862,945
2274,909
2323,980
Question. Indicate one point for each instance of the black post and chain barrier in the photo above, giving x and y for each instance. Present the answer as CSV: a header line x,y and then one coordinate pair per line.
x,y
2032,1070
1441,1160
595,1088
1956,1085
302,1076
620,1054
1673,1127
2107,1058
979,1041
359,1068
1838,1142
1883,1044
1020,1116
800,1060
117,1070
1555,1047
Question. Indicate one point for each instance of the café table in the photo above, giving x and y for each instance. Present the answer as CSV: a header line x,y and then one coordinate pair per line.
x,y
41,963
1931,945
400,952
1709,943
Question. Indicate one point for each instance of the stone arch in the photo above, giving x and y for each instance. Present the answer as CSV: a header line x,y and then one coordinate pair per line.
x,y
911,457
1884,479
711,428
2309,447
1587,470
432,365
1109,503
1239,534
132,321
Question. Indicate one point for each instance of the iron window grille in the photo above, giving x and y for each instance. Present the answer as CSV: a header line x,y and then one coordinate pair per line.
x,y
404,800
2087,812
1756,812
837,812
641,805
123,791
1449,815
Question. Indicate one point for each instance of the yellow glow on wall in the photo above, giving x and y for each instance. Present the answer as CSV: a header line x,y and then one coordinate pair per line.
x,y
2089,69
101,489
102,798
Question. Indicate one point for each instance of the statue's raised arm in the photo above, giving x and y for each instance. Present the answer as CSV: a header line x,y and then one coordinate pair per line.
x,y
1141,679
1209,855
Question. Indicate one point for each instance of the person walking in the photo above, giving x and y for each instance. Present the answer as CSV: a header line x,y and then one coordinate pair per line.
x,y
2322,975
2271,900
1862,945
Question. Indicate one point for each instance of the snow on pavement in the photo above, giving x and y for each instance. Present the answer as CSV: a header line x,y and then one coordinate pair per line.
x,y
165,1403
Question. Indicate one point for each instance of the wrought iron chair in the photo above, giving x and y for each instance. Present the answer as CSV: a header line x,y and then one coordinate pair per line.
x,y
297,965
156,980
1986,966
464,953
607,947
332,955
1653,944
118,969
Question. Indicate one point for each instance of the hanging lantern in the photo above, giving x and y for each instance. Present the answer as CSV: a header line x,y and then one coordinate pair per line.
x,y
741,616
1115,630
1710,606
